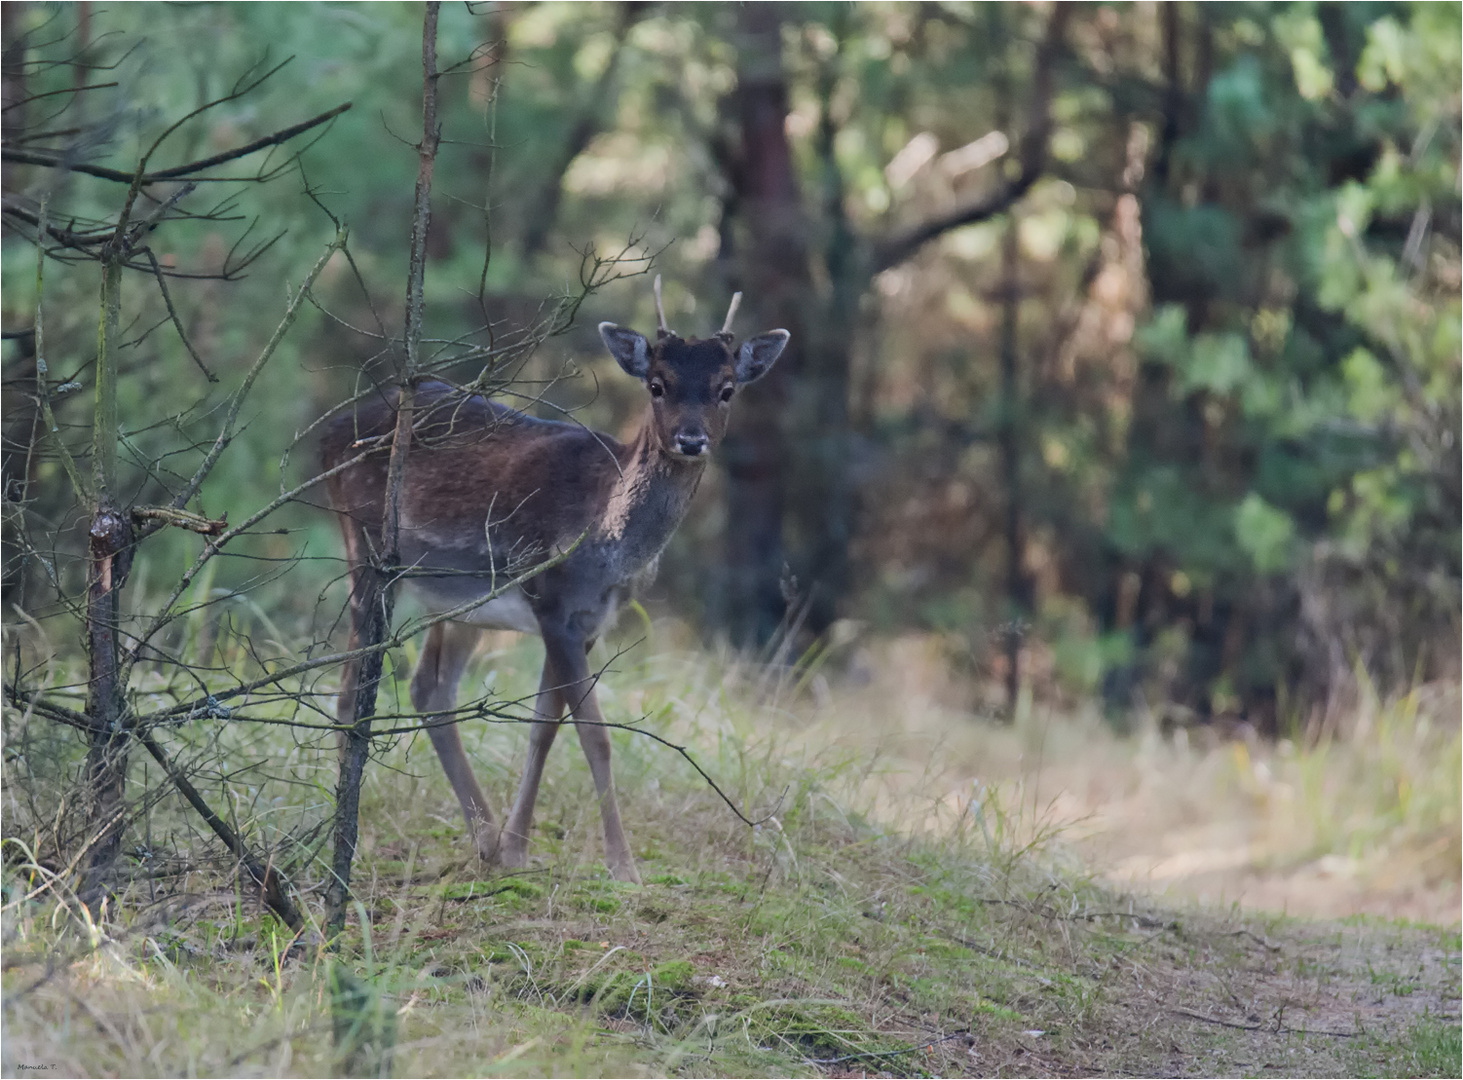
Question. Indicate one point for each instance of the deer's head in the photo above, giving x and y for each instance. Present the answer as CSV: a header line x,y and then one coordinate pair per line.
x,y
691,381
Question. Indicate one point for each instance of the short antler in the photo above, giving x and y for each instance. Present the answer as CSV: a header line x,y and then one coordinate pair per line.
x,y
661,328
731,313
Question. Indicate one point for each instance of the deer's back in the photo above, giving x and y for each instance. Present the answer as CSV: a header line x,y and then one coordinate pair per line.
x,y
472,461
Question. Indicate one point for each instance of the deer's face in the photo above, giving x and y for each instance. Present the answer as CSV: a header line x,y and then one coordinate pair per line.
x,y
691,382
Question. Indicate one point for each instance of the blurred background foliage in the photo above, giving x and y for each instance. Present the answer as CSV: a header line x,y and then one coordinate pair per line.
x,y
1126,339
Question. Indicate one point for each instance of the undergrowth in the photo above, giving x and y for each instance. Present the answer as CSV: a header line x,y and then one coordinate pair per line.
x,y
867,925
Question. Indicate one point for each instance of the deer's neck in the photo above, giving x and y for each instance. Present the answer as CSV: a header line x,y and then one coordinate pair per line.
x,y
648,498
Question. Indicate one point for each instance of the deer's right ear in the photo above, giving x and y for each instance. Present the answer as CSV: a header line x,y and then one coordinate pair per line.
x,y
628,347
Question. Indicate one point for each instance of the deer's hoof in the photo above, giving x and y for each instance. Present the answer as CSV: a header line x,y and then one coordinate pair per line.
x,y
625,870
485,840
512,852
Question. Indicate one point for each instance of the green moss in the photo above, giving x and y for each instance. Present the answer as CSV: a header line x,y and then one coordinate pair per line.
x,y
990,1008
673,975
507,888
528,890
513,954
469,890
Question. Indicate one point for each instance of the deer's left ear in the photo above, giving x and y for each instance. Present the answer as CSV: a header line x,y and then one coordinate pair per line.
x,y
628,347
757,355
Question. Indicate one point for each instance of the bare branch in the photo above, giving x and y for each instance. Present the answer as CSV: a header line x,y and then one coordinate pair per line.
x,y
51,160
162,284
372,611
226,434
33,98
407,631
1033,159
43,389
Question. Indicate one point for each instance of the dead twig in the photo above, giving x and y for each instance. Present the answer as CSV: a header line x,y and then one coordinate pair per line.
x,y
183,519
1278,1029
273,889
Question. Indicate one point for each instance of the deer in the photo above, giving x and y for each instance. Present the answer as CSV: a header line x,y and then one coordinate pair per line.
x,y
487,486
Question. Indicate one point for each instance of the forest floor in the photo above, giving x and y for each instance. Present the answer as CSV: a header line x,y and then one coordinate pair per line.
x,y
928,899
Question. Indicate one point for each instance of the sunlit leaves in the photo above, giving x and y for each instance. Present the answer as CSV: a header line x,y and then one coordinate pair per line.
x,y
1384,59
1265,532
1299,30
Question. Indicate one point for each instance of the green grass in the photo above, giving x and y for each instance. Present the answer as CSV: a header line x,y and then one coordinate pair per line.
x,y
1430,1047
847,933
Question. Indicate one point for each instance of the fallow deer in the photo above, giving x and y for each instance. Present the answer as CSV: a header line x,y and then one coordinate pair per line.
x,y
487,486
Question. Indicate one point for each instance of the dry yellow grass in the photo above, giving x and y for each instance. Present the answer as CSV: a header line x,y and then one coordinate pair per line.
x,y
1367,820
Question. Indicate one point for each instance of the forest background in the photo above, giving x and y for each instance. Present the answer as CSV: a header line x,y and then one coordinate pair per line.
x,y
1108,493
1125,362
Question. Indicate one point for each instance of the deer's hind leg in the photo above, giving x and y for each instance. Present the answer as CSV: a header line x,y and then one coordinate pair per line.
x,y
445,655
350,674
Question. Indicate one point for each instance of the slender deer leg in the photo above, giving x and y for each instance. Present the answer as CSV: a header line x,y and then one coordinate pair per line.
x,y
345,700
350,673
594,740
548,707
434,691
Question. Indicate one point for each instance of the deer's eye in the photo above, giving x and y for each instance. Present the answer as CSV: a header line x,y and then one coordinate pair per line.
x,y
657,388
727,392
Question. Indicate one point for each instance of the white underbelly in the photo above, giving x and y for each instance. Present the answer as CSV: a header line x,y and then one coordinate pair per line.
x,y
507,612
510,611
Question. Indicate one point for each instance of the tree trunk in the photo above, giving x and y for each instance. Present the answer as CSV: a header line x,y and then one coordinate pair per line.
x,y
821,510
773,268
596,110
1018,588
111,550
373,615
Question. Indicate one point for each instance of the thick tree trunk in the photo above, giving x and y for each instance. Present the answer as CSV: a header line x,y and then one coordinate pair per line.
x,y
773,269
821,512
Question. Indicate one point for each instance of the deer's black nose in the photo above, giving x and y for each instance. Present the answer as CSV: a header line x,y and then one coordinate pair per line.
x,y
692,445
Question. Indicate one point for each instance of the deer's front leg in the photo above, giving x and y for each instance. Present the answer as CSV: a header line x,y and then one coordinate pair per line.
x,y
548,707
594,739
566,680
